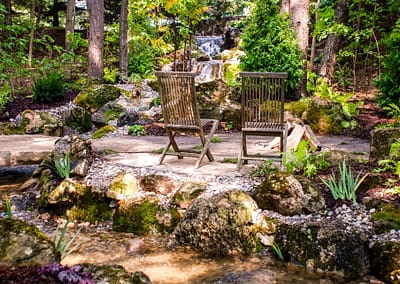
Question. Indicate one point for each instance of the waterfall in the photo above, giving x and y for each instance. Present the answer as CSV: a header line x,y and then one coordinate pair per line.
x,y
211,45
211,69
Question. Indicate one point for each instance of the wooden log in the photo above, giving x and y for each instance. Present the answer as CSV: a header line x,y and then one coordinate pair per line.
x,y
312,138
294,138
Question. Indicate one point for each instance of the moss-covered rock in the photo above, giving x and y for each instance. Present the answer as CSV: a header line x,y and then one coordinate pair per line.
x,y
223,224
381,141
143,216
325,117
94,97
42,122
24,244
326,246
385,261
79,119
100,133
386,218
115,274
123,186
187,194
288,194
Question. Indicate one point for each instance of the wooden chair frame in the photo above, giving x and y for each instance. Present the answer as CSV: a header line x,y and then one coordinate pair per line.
x,y
181,115
262,111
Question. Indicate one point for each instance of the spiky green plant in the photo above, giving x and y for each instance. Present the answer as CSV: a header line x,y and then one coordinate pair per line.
x,y
63,165
62,245
344,188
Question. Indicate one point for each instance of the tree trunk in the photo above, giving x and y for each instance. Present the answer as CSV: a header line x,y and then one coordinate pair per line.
x,y
8,15
300,19
56,19
123,40
285,7
70,23
327,70
96,39
314,39
34,27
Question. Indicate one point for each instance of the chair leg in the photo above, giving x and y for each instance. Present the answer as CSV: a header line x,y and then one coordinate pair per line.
x,y
171,136
244,148
206,145
164,152
239,160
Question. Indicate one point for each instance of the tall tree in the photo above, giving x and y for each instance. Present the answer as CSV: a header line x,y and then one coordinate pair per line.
x,y
8,15
96,39
300,22
123,40
70,23
327,70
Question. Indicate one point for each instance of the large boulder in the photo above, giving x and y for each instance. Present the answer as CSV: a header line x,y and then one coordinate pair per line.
x,y
42,122
381,141
144,215
385,260
325,117
288,194
224,224
22,244
79,119
124,185
217,100
327,245
94,97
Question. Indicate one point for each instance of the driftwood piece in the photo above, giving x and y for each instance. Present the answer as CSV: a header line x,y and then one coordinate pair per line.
x,y
297,132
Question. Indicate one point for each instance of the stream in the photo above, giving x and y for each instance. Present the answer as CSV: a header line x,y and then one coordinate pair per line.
x,y
99,244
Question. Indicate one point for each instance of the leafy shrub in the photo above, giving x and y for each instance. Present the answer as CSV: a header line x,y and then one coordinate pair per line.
x,y
393,163
5,96
49,88
136,130
302,160
140,60
389,82
270,44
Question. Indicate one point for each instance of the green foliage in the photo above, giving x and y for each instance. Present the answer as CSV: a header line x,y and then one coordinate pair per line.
x,y
264,169
136,130
320,88
63,165
270,44
8,206
277,250
217,139
344,188
103,131
155,102
141,58
303,160
5,95
62,245
49,88
389,81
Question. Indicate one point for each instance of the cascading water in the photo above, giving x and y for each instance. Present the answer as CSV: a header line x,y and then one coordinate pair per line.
x,y
211,69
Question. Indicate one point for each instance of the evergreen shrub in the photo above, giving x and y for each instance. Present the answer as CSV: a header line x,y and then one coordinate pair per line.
x,y
270,44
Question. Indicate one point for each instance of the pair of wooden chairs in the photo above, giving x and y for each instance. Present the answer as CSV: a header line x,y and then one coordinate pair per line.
x,y
262,112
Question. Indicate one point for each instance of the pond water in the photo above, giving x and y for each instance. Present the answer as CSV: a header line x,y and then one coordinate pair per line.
x,y
152,255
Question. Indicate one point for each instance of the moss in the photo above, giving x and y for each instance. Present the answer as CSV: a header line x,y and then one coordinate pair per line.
x,y
19,227
139,219
387,218
79,119
103,131
297,107
385,260
96,96
90,206
113,113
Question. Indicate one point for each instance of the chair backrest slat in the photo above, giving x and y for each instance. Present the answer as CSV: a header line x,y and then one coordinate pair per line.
x,y
178,98
263,97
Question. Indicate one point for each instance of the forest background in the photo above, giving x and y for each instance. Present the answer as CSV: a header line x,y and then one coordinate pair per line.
x,y
48,48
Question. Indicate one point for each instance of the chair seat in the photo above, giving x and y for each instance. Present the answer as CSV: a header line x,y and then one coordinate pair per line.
x,y
263,126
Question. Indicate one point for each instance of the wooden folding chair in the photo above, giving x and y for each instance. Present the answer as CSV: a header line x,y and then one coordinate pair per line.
x,y
181,115
262,111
